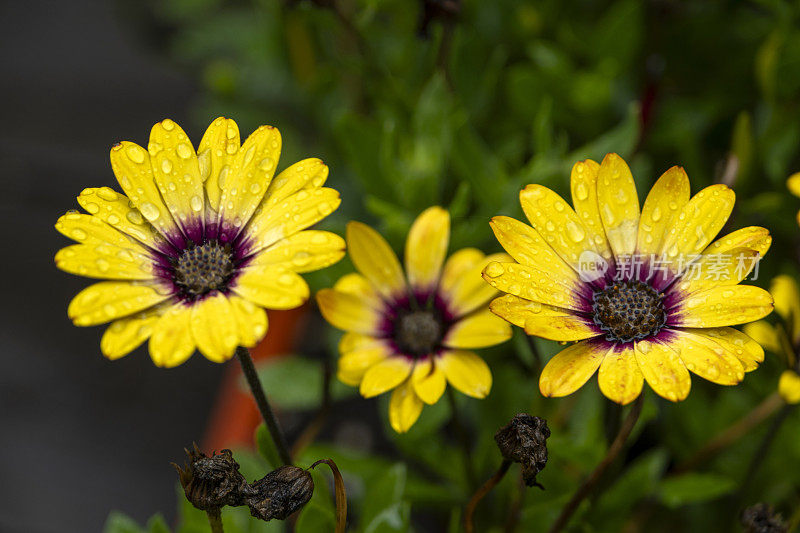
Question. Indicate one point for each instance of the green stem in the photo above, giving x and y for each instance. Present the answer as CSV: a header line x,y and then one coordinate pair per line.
x,y
260,397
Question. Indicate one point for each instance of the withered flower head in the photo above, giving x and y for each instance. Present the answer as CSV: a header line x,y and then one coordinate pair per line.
x,y
761,518
524,441
280,493
211,482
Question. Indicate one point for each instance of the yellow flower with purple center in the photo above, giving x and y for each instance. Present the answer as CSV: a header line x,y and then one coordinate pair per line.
x,y
199,243
783,338
644,294
415,332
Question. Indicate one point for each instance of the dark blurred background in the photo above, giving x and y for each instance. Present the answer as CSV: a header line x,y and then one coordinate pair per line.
x,y
79,435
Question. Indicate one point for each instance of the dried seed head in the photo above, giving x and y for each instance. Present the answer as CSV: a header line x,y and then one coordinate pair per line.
x,y
211,482
524,441
280,493
761,518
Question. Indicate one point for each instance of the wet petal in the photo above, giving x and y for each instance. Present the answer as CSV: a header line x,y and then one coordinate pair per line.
x,y
721,306
303,252
583,184
707,358
663,369
251,321
273,288
572,367
214,327
663,205
619,205
533,284
404,408
714,270
126,334
466,372
478,330
744,348
305,174
215,154
109,300
117,211
543,320
619,377
171,342
426,247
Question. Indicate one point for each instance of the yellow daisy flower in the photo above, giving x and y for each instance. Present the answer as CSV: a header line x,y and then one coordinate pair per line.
x,y
198,243
793,184
637,290
783,338
414,332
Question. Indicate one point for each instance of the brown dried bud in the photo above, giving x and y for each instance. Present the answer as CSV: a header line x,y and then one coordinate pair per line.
x,y
212,482
280,493
761,518
524,441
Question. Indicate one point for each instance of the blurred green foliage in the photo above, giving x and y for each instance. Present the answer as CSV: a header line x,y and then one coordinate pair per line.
x,y
503,94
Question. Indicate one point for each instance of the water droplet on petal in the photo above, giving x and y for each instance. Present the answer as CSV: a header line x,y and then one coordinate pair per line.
x,y
166,166
150,211
135,153
183,150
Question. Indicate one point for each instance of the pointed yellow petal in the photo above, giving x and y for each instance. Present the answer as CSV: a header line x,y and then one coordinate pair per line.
x,y
215,154
789,386
533,284
171,342
214,327
385,375
619,377
104,261
404,408
375,259
115,210
429,381
303,252
272,288
177,175
109,300
89,229
753,237
251,321
543,320
619,205
466,371
748,351
663,369
707,358
478,330
583,185
426,247
305,174
572,367
661,209
722,306
715,270
359,354
126,334
349,312
462,285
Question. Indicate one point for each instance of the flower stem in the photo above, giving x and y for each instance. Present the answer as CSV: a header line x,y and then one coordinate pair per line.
x,y
469,527
257,389
613,451
341,495
215,520
463,437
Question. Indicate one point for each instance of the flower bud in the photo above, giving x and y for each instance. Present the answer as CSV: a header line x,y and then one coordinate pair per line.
x,y
524,441
211,482
280,493
761,518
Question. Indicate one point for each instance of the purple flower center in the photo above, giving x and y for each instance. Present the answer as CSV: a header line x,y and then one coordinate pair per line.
x,y
418,333
629,310
203,268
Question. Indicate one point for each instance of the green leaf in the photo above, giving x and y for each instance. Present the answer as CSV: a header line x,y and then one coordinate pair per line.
x,y
266,447
294,382
120,523
396,517
694,488
382,493
157,524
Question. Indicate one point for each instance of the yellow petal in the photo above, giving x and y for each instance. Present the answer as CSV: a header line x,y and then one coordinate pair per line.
x,y
529,248
177,175
699,222
789,386
661,209
295,213
787,303
466,371
543,320
250,174
272,288
764,334
663,369
426,247
619,205
713,270
557,223
747,350
793,184
753,237
358,286
215,154
583,185
115,210
478,330
533,284
385,375
88,229
109,300
375,259
404,408
707,358
104,261
305,174
358,354
619,377
131,165
348,312
126,334
214,327
303,252
429,381
722,306
462,285
251,321
572,367
171,342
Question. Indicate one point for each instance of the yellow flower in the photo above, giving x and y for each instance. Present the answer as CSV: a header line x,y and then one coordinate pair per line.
x,y
783,338
413,335
793,184
198,243
647,294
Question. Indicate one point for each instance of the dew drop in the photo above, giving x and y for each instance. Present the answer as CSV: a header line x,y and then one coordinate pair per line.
x,y
92,208
183,150
581,192
150,211
135,153
494,270
166,166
